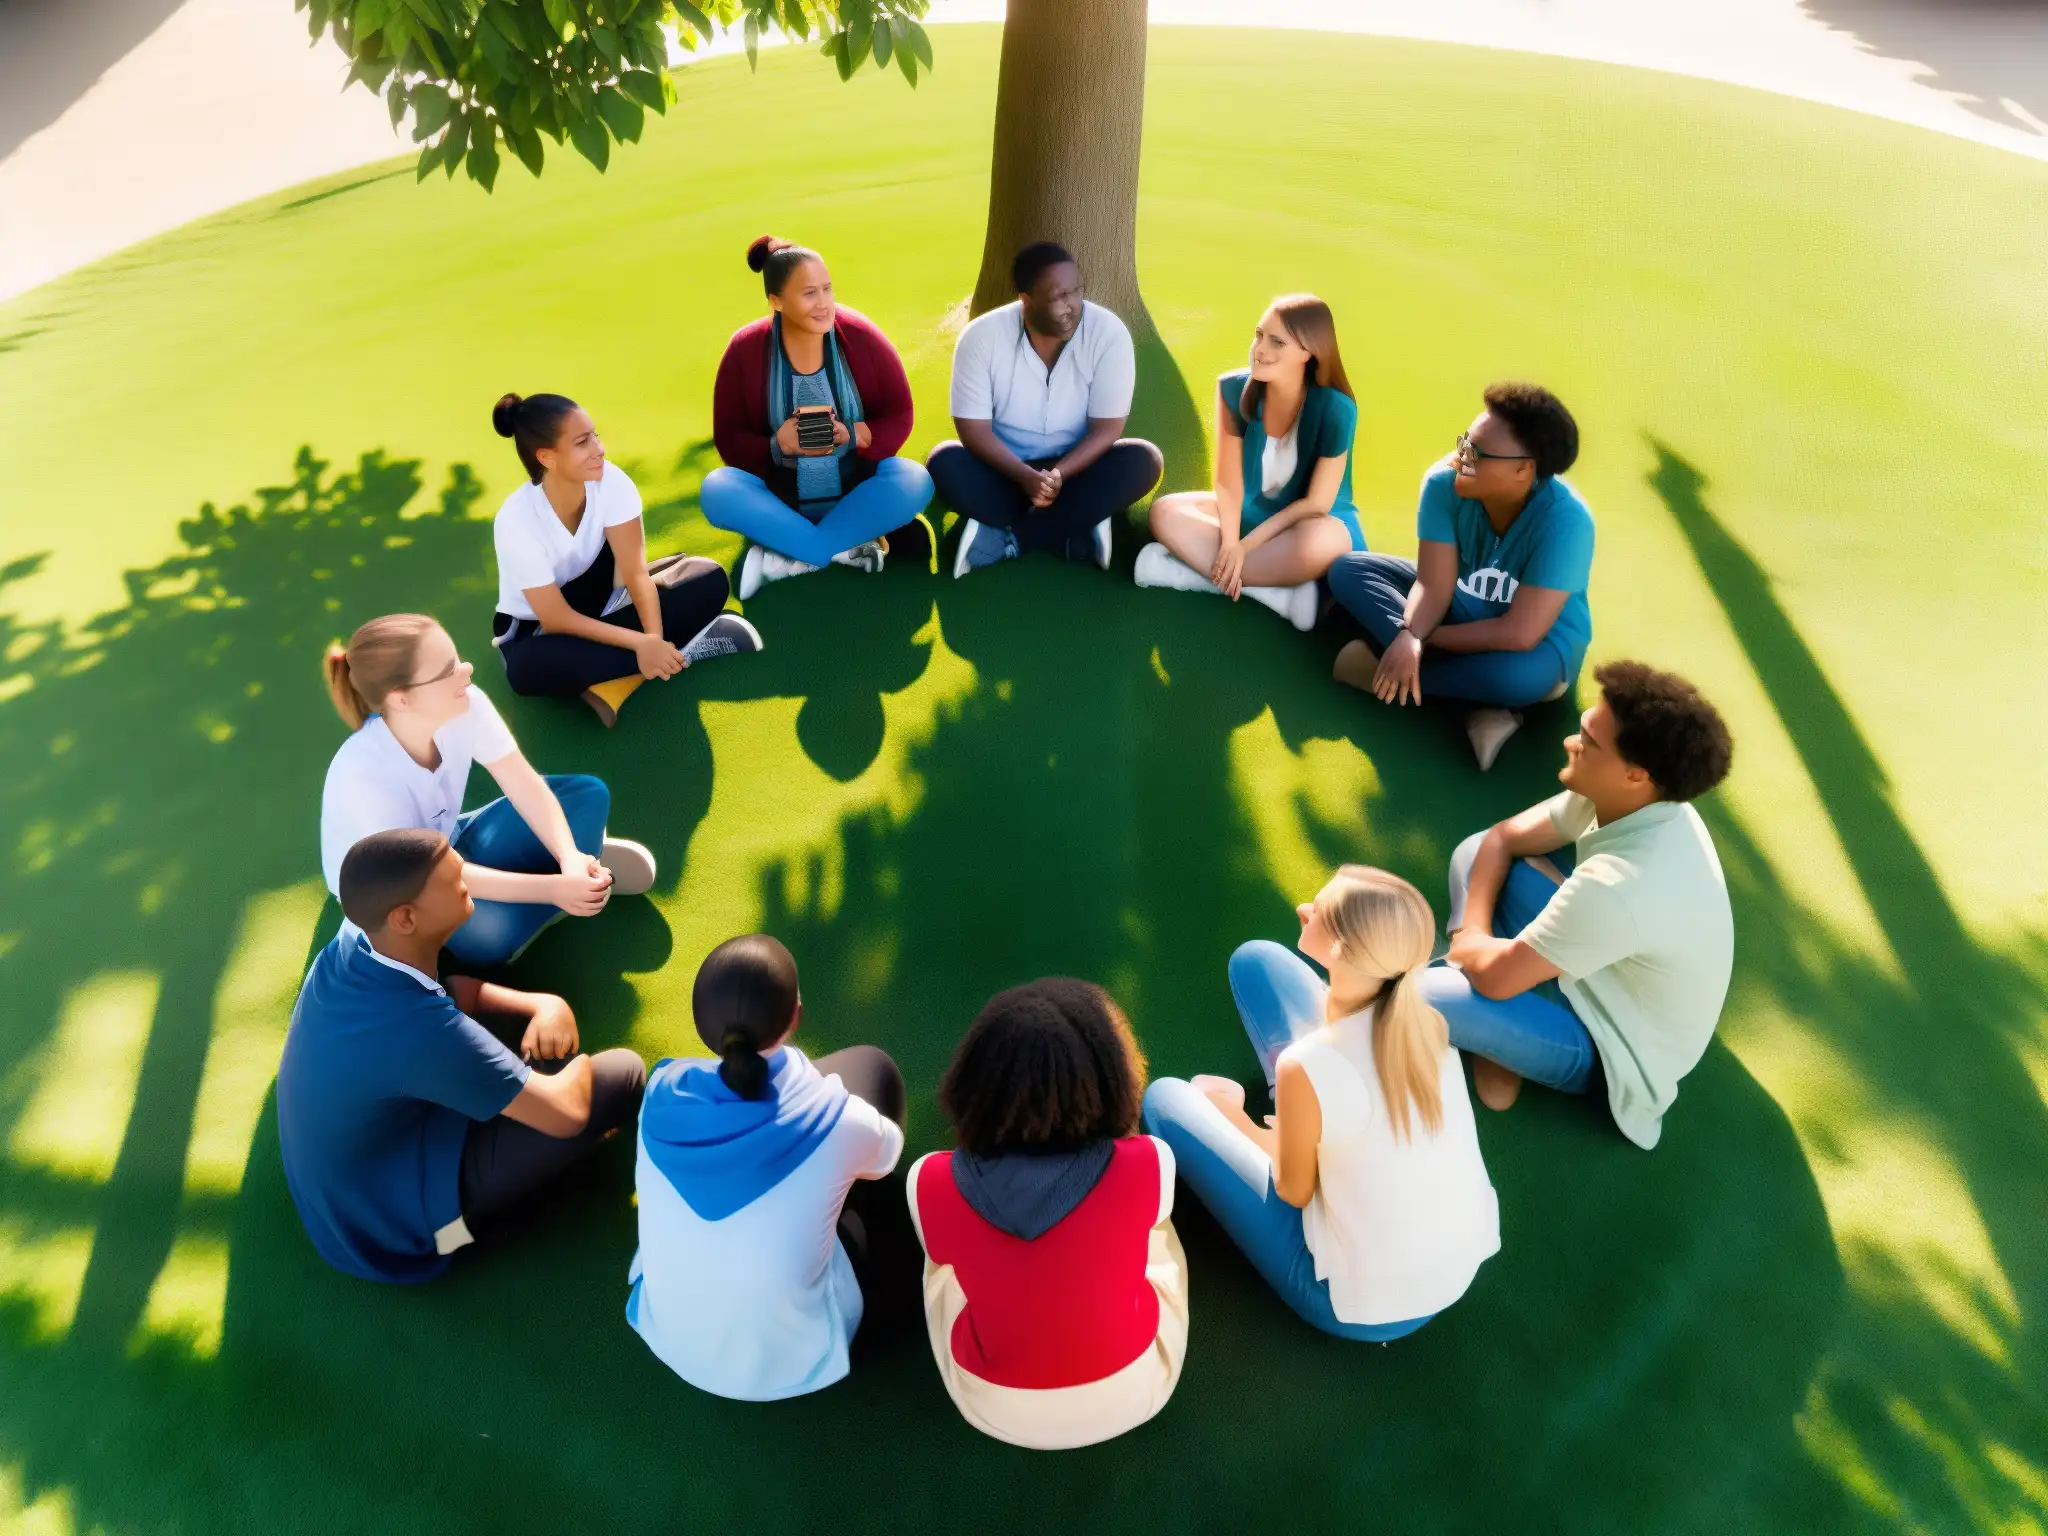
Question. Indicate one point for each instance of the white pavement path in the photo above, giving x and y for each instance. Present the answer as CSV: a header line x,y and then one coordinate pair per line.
x,y
123,118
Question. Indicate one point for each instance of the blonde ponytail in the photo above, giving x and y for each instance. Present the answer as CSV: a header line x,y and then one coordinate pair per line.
x,y
1383,928
378,658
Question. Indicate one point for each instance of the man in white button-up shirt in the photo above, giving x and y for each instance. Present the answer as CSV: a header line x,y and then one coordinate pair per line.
x,y
1041,391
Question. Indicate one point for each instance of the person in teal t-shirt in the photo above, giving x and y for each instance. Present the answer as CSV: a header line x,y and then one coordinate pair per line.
x,y
1493,612
1281,508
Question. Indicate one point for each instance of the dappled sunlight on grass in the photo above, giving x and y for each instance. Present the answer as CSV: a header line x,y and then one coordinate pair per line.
x,y
83,1078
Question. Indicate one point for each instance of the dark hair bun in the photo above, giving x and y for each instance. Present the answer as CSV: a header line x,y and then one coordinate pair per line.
x,y
505,415
763,247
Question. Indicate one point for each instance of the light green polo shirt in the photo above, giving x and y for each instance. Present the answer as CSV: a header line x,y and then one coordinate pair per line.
x,y
1645,941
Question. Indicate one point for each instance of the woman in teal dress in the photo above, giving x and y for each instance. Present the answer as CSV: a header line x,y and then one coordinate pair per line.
x,y
1281,511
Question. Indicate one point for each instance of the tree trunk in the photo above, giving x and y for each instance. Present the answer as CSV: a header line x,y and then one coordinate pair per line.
x,y
1070,111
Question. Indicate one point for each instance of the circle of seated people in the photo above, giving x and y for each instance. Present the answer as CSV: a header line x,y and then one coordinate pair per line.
x,y
1589,945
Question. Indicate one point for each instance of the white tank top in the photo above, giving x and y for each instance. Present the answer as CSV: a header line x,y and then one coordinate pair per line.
x,y
1398,1228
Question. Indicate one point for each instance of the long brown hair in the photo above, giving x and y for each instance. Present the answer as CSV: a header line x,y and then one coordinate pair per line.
x,y
378,658
1313,327
1383,928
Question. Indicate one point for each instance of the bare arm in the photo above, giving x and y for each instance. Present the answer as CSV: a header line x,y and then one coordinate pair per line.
x,y
1521,628
1436,579
629,565
1322,495
1291,1143
1102,432
1497,967
981,441
550,1025
1229,472
583,886
555,1104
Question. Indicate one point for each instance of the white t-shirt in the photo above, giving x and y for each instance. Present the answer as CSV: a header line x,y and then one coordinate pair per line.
x,y
1040,413
373,785
1398,1228
762,1304
535,550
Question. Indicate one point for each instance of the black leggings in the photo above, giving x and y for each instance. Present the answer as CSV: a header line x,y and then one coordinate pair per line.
x,y
1127,470
692,592
504,1162
875,1223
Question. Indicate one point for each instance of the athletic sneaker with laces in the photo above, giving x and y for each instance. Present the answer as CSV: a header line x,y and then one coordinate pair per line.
x,y
982,545
726,635
862,557
1102,545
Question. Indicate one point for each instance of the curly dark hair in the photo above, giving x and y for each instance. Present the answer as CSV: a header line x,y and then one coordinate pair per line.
x,y
1664,727
1046,1067
1031,262
1540,423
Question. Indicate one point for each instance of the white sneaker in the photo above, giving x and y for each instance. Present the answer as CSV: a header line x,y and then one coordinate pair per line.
x,y
1157,567
750,572
1296,604
631,864
862,557
763,565
726,635
1102,545
1488,731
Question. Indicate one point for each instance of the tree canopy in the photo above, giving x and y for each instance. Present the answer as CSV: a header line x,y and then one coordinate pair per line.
x,y
473,74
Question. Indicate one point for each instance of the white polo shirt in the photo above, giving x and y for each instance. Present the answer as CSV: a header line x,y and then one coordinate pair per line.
x,y
1040,412
373,784
535,550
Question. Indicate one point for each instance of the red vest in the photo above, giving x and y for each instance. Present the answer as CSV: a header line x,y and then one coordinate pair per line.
x,y
1068,1308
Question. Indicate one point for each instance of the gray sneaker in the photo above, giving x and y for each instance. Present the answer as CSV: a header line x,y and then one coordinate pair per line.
x,y
864,557
726,635
982,545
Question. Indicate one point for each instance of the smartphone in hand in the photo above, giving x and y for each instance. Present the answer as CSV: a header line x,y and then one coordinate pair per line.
x,y
814,429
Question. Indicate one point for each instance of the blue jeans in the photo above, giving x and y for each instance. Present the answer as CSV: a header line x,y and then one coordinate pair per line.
x,y
740,502
1278,996
497,837
1534,1034
1374,590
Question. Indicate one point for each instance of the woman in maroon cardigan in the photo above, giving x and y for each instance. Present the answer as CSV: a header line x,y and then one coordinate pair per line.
x,y
803,504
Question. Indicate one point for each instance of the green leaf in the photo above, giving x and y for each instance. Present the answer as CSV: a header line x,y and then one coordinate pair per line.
x,y
696,18
794,21
504,21
753,35
451,144
429,158
370,17
592,142
371,71
561,16
525,144
483,156
907,62
883,41
394,98
842,55
607,44
919,43
860,38
431,107
644,88
623,117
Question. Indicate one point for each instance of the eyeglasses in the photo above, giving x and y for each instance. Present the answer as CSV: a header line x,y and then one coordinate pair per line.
x,y
1470,453
439,677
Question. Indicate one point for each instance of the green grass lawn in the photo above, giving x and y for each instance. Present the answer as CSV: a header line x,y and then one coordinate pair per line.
x,y
1805,348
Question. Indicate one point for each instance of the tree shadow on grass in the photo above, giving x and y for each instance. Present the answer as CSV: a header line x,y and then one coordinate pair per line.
x,y
1108,800
1937,1391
